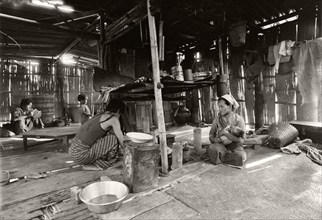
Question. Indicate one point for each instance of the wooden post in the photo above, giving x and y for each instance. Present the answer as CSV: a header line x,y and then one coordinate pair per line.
x,y
157,90
221,59
195,107
319,24
259,101
222,87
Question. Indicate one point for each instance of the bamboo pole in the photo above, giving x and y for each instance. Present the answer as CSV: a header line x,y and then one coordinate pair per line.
x,y
157,90
102,48
33,23
77,40
160,40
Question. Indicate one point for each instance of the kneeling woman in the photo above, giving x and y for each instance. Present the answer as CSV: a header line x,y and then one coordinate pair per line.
x,y
98,141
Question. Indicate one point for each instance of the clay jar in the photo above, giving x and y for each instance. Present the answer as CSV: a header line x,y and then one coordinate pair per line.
x,y
182,115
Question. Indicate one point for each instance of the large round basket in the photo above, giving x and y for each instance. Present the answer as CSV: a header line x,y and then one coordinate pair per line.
x,y
280,135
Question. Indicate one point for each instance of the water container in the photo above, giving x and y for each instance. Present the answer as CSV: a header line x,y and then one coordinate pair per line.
x,y
141,165
197,139
176,155
177,73
187,73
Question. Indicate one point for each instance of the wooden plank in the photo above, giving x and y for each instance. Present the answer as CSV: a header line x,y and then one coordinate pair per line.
x,y
142,202
170,210
307,129
25,198
24,190
70,210
139,203
137,206
52,132
35,163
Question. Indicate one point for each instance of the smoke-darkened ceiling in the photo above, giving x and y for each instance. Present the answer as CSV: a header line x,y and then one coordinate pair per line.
x,y
32,30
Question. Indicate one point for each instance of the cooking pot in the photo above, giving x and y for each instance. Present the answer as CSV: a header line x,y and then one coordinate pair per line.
x,y
104,196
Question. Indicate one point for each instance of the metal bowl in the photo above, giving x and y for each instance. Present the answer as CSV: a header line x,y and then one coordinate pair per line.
x,y
105,196
139,137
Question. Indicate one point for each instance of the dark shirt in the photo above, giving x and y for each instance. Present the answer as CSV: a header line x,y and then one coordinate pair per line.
x,y
91,131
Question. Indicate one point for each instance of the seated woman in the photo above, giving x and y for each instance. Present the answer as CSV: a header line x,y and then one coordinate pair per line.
x,y
232,153
25,118
98,141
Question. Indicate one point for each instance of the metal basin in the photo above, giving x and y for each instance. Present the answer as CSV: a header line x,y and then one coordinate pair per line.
x,y
105,196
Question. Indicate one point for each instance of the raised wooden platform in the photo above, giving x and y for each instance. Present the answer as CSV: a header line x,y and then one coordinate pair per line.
x,y
308,129
62,133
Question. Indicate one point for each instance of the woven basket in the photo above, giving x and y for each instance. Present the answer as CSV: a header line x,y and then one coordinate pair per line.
x,y
280,135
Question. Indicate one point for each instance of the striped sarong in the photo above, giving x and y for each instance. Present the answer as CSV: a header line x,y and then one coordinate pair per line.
x,y
102,154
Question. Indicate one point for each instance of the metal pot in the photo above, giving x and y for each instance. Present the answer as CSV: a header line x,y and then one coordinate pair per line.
x,y
105,196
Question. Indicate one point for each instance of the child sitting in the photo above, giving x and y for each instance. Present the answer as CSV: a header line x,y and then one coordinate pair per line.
x,y
235,130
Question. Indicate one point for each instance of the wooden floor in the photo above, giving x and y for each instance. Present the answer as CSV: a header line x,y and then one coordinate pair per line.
x,y
271,186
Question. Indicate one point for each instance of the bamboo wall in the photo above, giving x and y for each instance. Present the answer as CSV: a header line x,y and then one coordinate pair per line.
x,y
76,80
282,98
20,78
52,87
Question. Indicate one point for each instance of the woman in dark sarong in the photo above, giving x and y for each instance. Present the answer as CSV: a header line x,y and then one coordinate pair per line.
x,y
233,153
98,142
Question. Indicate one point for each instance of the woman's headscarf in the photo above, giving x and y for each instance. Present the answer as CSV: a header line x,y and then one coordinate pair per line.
x,y
229,98
223,123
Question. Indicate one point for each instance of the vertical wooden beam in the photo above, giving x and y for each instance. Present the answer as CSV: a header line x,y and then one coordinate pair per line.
x,y
60,90
157,90
319,26
259,101
221,58
195,107
319,23
222,87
